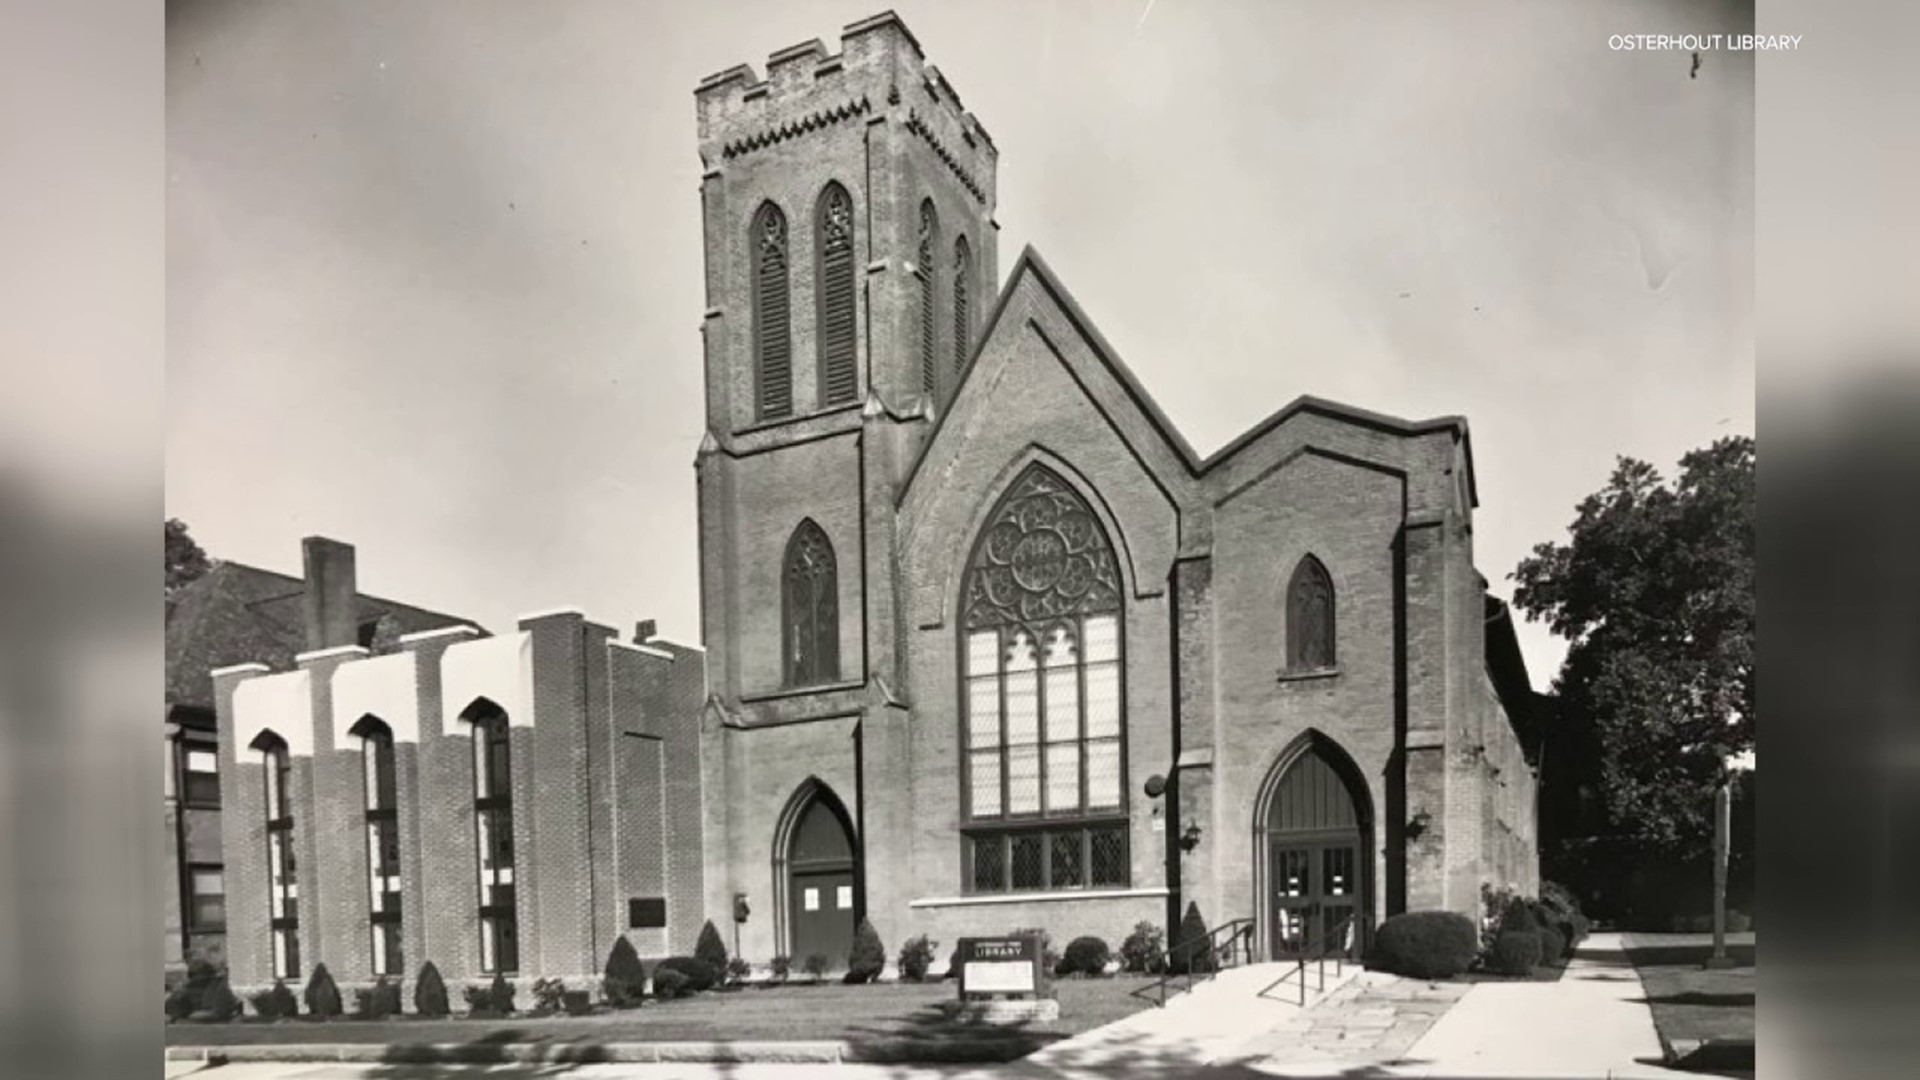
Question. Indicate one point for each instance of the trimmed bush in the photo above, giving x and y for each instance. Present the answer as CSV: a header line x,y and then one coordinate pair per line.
x,y
322,996
738,970
1085,956
217,1002
430,992
1560,898
916,957
1049,959
625,981
1518,918
377,1002
479,998
1425,945
698,975
1553,946
781,966
1141,952
1515,952
547,996
868,958
275,1003
500,995
577,1002
815,965
709,949
1192,953
182,1002
669,983
953,963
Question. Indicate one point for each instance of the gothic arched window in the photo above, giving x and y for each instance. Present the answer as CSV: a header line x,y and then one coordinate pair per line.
x,y
381,788
493,836
1044,787
809,617
833,296
1310,617
283,888
923,270
962,325
772,319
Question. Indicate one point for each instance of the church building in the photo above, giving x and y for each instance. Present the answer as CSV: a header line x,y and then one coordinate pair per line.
x,y
987,645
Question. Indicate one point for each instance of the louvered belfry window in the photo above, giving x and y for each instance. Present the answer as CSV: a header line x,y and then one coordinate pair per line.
x,y
834,297
1310,638
962,325
810,620
772,317
1042,663
923,269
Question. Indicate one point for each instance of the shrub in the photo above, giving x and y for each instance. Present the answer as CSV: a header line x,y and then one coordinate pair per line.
x,y
1553,946
1515,952
548,996
1518,918
1049,959
576,1002
1560,898
697,974
1425,945
709,949
377,1002
275,1003
430,992
182,1002
916,956
1192,953
669,983
1738,922
322,996
815,965
217,1001
500,995
868,957
1494,905
738,971
479,999
1142,951
1581,927
781,966
625,982
953,963
1085,956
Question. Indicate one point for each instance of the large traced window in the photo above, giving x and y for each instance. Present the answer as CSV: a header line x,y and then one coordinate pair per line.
x,y
383,845
1310,617
283,891
810,621
833,293
1041,648
962,314
923,272
493,831
772,317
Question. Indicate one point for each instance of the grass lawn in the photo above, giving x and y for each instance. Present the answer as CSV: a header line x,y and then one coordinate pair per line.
x,y
1691,1004
873,1015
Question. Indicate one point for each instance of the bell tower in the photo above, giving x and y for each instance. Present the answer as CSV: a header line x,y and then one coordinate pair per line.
x,y
851,257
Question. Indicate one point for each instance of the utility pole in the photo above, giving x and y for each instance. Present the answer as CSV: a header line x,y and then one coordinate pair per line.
x,y
1722,835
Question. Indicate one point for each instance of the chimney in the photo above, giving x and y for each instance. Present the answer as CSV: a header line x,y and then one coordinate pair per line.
x,y
332,620
643,632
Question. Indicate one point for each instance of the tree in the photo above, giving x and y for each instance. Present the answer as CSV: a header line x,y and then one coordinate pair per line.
x,y
186,560
1654,591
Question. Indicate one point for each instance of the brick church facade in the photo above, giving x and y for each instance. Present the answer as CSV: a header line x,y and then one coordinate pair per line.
x,y
987,645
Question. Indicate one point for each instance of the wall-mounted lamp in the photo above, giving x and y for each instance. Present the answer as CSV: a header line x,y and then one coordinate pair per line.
x,y
1190,839
1417,826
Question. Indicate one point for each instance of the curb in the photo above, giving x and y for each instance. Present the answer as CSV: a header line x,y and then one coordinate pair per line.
x,y
897,1051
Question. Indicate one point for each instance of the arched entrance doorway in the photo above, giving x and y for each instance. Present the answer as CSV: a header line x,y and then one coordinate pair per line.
x,y
815,864
1313,853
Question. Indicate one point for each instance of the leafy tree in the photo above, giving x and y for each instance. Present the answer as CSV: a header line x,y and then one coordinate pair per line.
x,y
1654,591
186,560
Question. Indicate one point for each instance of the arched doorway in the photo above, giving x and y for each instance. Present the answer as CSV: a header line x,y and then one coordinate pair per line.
x,y
1313,853
816,866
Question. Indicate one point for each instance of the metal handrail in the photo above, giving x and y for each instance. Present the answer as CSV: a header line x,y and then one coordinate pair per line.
x,y
1238,943
1317,955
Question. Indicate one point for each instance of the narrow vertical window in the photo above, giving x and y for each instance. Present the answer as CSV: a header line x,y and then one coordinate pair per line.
x,y
962,314
923,270
772,319
833,293
493,838
199,775
810,622
1310,640
207,890
383,845
283,891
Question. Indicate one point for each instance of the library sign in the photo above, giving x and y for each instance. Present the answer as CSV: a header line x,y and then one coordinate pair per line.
x,y
1003,966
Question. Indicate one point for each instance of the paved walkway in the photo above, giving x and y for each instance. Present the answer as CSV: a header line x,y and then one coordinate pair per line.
x,y
1373,1019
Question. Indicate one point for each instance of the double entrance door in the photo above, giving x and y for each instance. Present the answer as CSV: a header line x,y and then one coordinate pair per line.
x,y
1316,896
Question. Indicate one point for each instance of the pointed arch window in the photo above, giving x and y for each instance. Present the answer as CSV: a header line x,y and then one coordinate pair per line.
x,y
923,271
772,317
1310,638
833,297
283,889
380,787
493,836
1041,647
810,620
962,314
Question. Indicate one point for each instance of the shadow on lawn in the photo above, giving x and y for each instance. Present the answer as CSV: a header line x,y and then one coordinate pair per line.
x,y
930,1034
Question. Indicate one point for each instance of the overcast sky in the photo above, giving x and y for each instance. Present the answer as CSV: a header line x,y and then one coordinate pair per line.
x,y
434,269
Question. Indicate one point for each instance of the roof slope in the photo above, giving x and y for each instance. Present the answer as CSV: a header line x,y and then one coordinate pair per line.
x,y
238,614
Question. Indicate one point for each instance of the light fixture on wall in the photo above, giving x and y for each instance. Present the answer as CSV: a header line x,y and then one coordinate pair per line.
x,y
1417,826
1190,839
